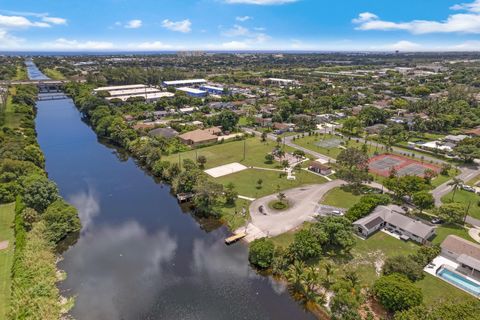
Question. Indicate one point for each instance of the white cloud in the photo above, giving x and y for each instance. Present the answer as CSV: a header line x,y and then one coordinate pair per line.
x,y
8,42
260,2
365,16
178,26
133,24
472,45
54,20
468,22
153,45
65,44
235,45
405,45
243,19
20,22
472,7
236,31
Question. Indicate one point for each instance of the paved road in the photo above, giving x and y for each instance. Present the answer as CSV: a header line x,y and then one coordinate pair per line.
x,y
467,172
303,205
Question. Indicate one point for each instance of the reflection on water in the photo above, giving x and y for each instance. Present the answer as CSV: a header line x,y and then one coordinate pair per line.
x,y
139,256
33,72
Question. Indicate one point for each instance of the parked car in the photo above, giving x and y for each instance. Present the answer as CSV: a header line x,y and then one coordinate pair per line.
x,y
468,188
437,221
337,213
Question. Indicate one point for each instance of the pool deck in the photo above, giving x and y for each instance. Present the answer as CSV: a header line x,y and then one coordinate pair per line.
x,y
438,262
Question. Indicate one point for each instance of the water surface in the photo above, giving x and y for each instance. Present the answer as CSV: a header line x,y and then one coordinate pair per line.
x,y
139,256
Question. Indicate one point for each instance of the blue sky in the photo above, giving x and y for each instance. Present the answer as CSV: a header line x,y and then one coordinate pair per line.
x,y
377,25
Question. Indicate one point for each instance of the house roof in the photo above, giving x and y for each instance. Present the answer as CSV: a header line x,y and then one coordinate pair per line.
x,y
319,165
198,136
390,214
164,132
461,246
214,130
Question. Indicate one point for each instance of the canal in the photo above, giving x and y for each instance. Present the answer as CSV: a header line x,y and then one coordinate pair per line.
x,y
139,256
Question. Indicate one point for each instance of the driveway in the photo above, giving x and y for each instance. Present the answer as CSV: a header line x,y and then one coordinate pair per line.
x,y
466,173
303,207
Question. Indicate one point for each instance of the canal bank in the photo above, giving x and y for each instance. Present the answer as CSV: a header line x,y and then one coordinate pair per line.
x,y
139,255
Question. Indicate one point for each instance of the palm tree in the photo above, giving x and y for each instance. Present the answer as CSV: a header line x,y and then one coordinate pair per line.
x,y
456,183
295,274
327,281
352,277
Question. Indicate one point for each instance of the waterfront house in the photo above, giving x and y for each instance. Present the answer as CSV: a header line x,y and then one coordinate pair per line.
x,y
163,132
392,219
463,252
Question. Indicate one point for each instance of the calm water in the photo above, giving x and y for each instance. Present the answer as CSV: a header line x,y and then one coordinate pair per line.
x,y
139,256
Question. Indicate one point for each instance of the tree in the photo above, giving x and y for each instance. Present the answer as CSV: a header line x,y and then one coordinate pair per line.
x,y
334,233
227,119
39,193
305,245
201,160
29,217
353,167
423,200
61,219
259,183
295,275
448,310
396,292
206,197
299,154
264,136
269,158
261,253
281,196
230,194
403,265
456,184
352,125
392,134
451,212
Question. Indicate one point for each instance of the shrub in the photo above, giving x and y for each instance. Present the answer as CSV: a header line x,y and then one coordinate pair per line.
x,y
305,245
261,253
366,205
396,293
60,220
39,193
403,265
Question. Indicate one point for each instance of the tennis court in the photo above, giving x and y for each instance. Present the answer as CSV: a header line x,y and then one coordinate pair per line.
x,y
329,143
383,164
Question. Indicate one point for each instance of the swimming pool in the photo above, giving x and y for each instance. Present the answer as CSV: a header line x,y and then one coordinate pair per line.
x,y
460,281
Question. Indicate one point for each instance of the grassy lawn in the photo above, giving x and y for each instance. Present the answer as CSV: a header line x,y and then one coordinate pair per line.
x,y
337,197
444,230
53,74
246,181
373,251
229,152
441,179
21,73
465,198
232,215
309,142
435,289
473,181
7,215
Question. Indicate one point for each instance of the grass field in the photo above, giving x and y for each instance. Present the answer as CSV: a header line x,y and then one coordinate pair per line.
x,y
246,181
435,289
465,198
21,73
229,152
443,231
53,74
337,197
441,179
7,215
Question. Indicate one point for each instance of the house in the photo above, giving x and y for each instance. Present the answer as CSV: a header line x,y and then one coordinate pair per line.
x,y
214,130
283,127
376,128
198,137
320,168
392,219
464,252
263,122
163,132
454,139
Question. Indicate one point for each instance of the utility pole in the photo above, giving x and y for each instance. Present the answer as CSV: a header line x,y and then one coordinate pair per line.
x,y
466,212
244,148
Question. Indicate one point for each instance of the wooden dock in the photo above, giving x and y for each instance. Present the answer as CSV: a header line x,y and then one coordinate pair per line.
x,y
235,238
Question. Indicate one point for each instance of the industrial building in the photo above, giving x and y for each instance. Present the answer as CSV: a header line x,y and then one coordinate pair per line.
x,y
149,97
184,83
193,92
213,89
282,82
125,87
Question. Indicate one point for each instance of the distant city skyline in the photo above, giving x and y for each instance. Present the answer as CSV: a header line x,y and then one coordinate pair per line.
x,y
226,25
